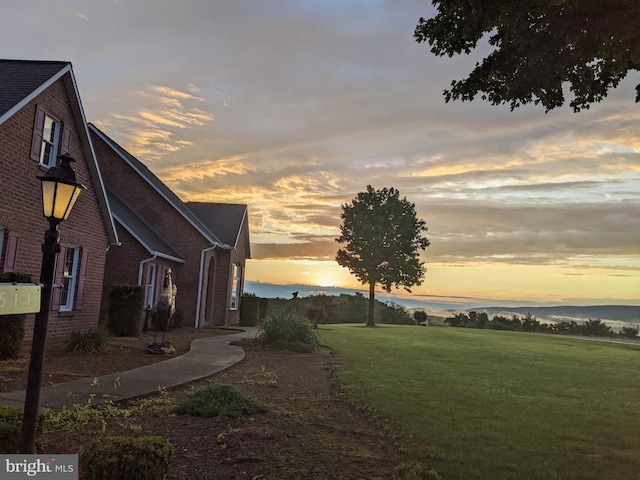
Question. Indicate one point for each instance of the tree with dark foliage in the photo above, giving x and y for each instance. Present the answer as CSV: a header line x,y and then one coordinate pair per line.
x,y
382,239
539,47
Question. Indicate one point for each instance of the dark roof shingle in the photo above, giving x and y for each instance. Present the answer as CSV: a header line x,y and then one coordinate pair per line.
x,y
19,78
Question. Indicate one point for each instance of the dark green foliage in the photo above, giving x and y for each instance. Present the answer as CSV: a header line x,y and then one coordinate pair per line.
x,y
90,341
11,428
11,335
264,305
219,400
420,316
125,310
12,326
394,314
592,328
249,310
538,48
596,328
289,326
126,458
381,239
629,332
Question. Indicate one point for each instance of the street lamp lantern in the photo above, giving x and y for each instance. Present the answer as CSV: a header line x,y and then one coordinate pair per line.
x,y
60,190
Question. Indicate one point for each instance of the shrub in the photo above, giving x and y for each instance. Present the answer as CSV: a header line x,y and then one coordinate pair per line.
x,y
218,400
629,332
12,326
420,316
125,310
11,428
90,341
126,458
288,326
249,310
264,304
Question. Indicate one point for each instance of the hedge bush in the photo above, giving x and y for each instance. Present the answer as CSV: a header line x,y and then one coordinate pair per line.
x,y
11,428
125,310
126,458
249,310
12,326
90,341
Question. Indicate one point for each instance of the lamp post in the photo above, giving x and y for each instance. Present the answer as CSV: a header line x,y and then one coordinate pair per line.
x,y
60,191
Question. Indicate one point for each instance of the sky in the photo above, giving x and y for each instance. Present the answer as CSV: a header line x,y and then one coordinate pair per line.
x,y
295,106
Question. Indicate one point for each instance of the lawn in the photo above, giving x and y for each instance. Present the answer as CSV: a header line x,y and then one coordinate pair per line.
x,y
483,404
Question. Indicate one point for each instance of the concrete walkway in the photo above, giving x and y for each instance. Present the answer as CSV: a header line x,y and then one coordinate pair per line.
x,y
207,356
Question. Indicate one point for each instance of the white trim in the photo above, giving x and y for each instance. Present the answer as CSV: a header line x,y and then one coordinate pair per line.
x,y
22,103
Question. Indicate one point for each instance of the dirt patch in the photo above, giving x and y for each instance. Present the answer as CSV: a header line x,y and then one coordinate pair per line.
x,y
311,430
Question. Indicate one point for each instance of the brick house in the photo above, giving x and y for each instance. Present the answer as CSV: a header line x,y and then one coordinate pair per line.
x,y
205,244
41,116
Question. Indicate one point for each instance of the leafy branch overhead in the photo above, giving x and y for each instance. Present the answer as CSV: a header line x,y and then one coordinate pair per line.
x,y
539,47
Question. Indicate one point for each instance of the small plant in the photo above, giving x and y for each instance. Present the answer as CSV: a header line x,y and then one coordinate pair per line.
x,y
218,400
287,326
126,458
92,340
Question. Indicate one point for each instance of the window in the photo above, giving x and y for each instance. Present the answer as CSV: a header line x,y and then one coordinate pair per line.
x,y
69,277
235,286
50,138
49,146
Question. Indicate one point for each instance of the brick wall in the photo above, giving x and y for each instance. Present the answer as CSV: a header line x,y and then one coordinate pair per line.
x,y
125,183
21,207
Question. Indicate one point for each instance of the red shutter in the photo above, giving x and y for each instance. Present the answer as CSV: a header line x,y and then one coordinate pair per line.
x,y
11,252
82,275
65,146
38,130
57,279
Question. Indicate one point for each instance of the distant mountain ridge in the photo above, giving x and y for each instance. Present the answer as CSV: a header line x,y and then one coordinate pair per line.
x,y
621,313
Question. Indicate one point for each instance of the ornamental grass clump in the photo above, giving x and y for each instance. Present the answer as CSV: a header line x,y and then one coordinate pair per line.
x,y
219,400
287,326
90,341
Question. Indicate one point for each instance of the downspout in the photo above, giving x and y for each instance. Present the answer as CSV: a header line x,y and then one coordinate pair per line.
x,y
201,281
142,264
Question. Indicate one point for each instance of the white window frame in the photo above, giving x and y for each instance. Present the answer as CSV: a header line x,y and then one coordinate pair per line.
x,y
51,142
70,278
235,286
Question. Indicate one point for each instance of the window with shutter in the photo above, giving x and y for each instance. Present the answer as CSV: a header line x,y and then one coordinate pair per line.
x,y
46,138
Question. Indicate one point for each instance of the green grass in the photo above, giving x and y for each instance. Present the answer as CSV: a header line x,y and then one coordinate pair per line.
x,y
485,404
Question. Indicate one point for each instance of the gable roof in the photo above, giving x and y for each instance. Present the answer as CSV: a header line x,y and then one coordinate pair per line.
x,y
160,187
141,230
23,80
225,218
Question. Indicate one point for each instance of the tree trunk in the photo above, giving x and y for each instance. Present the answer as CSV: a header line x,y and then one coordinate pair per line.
x,y
372,294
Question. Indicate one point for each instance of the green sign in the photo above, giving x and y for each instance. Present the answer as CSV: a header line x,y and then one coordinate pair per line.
x,y
19,298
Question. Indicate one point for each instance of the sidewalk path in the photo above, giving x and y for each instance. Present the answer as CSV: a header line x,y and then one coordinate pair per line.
x,y
207,356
